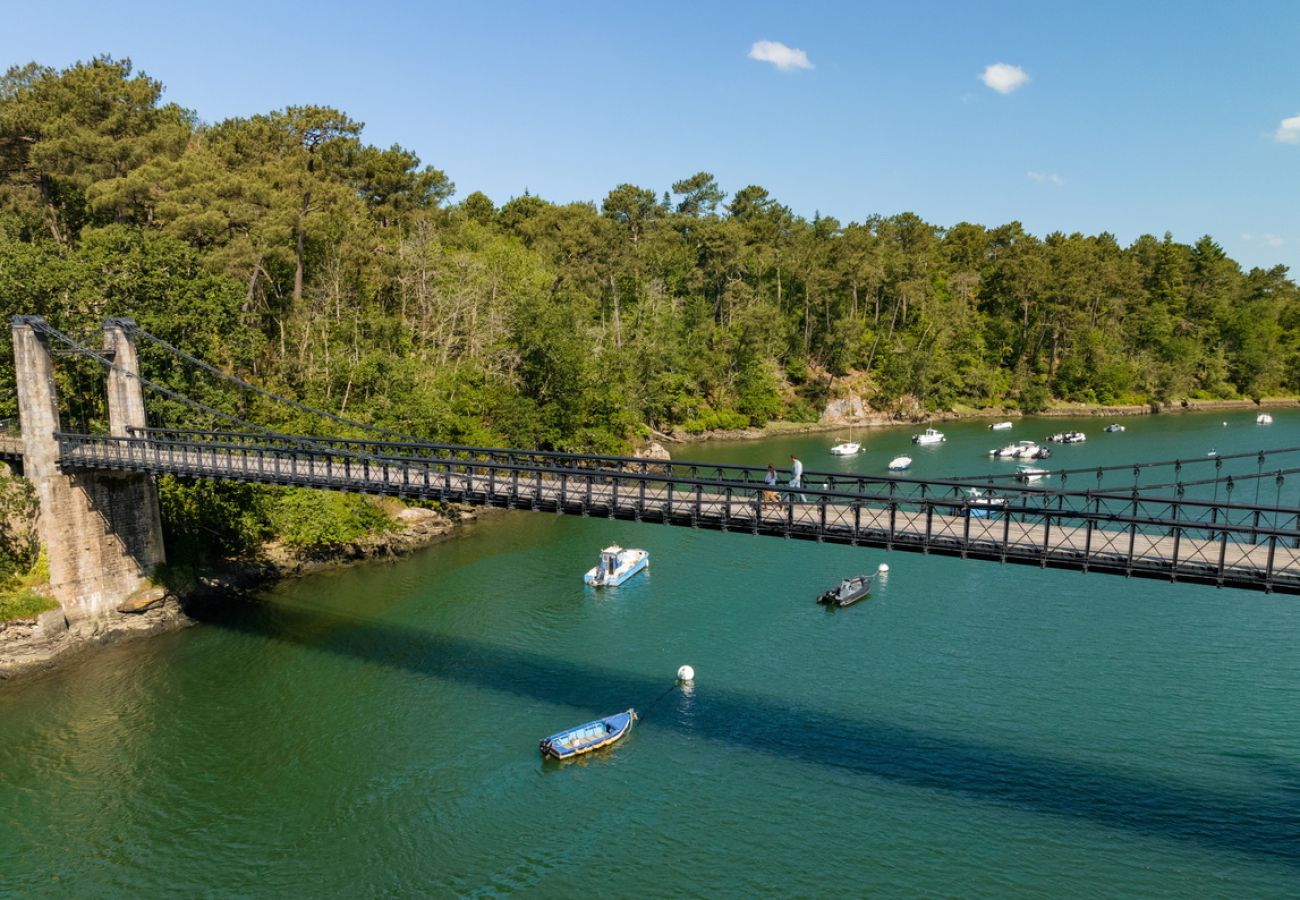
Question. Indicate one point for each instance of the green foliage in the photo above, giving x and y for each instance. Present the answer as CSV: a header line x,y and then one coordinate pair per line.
x,y
317,522
19,598
716,421
285,249
19,543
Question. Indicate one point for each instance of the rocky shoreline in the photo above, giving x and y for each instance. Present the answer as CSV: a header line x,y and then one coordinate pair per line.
x,y
40,644
842,414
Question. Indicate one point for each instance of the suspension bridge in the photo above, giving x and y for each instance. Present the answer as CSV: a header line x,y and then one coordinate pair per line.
x,y
1226,521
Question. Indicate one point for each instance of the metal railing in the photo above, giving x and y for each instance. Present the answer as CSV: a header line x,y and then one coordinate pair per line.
x,y
1176,538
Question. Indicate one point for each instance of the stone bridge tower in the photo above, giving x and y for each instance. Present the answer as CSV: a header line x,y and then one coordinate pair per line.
x,y
101,530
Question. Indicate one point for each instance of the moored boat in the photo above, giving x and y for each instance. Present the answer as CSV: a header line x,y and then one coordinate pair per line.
x,y
1000,426
982,505
1021,450
1264,419
588,737
616,566
850,590
929,436
1068,437
846,448
899,463
1031,473
1113,428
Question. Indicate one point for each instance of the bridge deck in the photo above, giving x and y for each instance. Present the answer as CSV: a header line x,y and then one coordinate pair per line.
x,y
1126,536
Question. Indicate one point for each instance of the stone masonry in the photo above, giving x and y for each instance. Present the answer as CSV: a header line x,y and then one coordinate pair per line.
x,y
102,532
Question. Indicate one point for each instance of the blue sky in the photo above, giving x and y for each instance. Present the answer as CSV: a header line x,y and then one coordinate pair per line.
x,y
1134,118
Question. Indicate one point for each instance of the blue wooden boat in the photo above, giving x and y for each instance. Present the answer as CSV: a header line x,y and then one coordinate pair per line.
x,y
588,737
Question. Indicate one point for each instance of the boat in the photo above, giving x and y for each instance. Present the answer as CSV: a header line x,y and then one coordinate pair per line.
x,y
586,738
1021,450
1113,428
929,436
1263,419
848,591
982,505
616,566
1000,426
1031,473
1068,437
847,448
899,463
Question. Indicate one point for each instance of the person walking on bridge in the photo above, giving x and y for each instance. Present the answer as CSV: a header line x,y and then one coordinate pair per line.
x,y
796,476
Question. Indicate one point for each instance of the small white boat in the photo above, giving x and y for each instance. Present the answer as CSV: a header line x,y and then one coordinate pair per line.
x,y
847,448
929,436
1264,419
1068,437
1031,473
1213,453
1113,428
899,463
1000,426
1021,450
616,566
982,505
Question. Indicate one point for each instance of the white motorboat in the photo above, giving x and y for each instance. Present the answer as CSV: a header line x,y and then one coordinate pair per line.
x,y
1021,450
1113,428
981,505
1068,437
616,566
1031,473
1000,426
1264,419
929,436
899,463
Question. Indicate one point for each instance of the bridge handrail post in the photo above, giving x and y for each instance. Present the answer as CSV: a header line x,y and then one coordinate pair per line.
x,y
726,507
564,489
1006,530
857,519
1268,571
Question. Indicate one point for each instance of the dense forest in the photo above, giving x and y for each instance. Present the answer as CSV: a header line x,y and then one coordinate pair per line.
x,y
285,249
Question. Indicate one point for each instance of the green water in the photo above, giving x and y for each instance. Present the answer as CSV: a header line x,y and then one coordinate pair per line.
x,y
971,730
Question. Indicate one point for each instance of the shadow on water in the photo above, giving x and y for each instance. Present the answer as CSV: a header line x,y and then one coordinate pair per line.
x,y
1266,824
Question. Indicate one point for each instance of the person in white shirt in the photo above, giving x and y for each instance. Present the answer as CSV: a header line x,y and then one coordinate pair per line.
x,y
796,476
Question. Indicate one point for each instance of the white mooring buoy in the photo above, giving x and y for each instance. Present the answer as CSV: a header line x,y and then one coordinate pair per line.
x,y
686,673
883,568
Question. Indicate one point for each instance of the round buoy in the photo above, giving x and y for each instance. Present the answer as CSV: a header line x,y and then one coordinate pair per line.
x,y
883,568
685,673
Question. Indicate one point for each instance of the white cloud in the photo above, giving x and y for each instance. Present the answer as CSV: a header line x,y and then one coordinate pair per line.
x,y
1045,177
1271,240
778,54
1004,78
1288,132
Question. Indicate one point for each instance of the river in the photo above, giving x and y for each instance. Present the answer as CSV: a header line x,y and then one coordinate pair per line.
x,y
970,730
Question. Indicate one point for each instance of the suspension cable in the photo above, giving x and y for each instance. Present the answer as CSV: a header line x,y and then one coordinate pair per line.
x,y
234,379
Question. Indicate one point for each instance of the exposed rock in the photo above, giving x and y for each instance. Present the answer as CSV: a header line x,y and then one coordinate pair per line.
x,y
653,450
844,410
143,600
52,622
